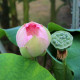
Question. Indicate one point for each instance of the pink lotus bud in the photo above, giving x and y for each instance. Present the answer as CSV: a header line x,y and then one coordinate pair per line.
x,y
33,39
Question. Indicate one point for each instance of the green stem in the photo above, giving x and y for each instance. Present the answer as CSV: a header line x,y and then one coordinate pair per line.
x,y
36,59
64,64
13,11
45,60
53,10
5,14
60,8
26,11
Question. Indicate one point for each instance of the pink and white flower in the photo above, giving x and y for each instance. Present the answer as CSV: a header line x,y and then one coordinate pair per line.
x,y
33,39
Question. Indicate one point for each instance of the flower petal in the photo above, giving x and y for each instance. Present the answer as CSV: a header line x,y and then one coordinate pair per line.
x,y
48,33
36,46
21,37
25,52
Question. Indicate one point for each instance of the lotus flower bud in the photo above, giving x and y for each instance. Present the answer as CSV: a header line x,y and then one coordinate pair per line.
x,y
61,40
33,39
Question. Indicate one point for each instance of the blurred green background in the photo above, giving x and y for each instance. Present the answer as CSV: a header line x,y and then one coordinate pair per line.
x,y
18,12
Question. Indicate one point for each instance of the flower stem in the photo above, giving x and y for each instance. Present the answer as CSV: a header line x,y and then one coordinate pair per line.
x,y
36,59
45,60
64,65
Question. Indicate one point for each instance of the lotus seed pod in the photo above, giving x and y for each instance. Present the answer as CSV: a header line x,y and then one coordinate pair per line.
x,y
61,40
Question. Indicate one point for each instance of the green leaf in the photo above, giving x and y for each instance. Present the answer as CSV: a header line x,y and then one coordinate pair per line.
x,y
73,57
14,67
2,33
55,27
61,72
10,33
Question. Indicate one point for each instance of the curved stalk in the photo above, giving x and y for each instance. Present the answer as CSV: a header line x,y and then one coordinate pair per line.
x,y
26,10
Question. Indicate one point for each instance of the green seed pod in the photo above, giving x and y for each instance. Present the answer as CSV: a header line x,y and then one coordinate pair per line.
x,y
61,40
